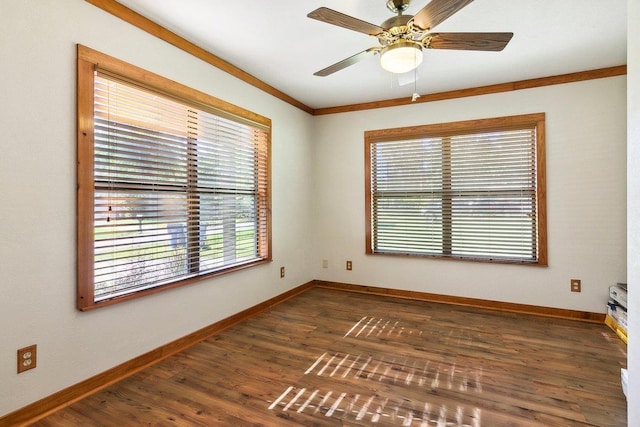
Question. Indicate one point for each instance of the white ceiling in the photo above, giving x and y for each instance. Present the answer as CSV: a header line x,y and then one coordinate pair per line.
x,y
276,42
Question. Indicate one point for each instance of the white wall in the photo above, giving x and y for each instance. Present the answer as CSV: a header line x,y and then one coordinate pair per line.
x,y
586,200
633,210
37,210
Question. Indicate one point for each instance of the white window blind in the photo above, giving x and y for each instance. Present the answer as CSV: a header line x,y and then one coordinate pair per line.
x,y
466,194
179,192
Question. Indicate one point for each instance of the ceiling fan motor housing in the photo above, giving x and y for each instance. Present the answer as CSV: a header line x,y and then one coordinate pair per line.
x,y
396,21
396,28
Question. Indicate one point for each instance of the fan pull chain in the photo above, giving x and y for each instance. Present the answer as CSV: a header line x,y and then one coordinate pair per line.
x,y
415,95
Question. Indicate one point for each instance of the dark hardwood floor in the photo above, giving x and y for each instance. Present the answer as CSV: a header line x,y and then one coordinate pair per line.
x,y
333,358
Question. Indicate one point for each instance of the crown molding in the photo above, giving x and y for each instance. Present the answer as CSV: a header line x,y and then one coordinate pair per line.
x,y
482,90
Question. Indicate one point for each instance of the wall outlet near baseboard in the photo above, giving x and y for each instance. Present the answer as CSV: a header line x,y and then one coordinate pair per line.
x,y
27,358
576,285
349,265
281,272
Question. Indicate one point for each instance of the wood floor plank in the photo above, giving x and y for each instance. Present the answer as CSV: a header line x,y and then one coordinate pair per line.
x,y
335,358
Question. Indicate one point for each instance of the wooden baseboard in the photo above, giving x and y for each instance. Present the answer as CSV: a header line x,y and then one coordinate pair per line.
x,y
561,313
40,409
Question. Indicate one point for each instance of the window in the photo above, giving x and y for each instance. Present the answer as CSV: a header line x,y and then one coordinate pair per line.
x,y
173,185
470,190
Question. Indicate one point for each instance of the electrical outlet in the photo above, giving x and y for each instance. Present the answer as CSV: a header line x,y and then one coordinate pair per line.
x,y
27,358
325,263
281,272
576,285
349,265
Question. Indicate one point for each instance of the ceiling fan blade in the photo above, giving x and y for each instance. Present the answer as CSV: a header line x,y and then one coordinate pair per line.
x,y
347,62
436,12
331,16
470,41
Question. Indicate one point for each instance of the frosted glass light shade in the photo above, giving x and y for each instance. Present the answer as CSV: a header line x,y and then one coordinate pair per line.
x,y
401,57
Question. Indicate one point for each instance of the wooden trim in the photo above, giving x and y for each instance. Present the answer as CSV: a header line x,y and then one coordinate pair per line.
x,y
85,182
368,249
145,24
510,307
453,128
482,90
84,304
541,192
40,409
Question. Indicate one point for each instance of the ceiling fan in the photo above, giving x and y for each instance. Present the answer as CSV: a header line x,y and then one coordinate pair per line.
x,y
403,37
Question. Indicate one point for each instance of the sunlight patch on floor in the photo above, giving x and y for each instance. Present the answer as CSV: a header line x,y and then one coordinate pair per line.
x,y
392,370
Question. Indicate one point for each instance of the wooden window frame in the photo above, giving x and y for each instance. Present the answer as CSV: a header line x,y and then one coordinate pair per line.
x,y
88,62
443,130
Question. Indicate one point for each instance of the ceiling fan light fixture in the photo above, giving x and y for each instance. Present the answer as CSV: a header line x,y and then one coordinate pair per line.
x,y
401,57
